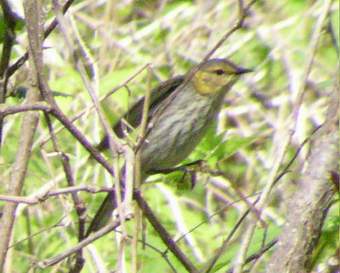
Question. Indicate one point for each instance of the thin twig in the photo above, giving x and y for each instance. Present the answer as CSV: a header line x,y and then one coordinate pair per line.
x,y
10,21
78,203
288,134
58,114
209,266
164,235
138,176
91,107
258,254
14,67
36,199
92,237
59,223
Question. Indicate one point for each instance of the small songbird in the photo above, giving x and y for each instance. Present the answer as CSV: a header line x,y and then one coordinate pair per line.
x,y
180,112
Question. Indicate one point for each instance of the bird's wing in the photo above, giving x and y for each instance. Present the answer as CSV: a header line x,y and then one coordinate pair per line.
x,y
134,116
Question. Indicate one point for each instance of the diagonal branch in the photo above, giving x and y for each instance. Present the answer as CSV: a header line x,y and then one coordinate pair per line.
x,y
309,206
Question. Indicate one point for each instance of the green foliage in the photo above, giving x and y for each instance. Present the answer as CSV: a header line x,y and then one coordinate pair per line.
x,y
122,37
19,27
2,28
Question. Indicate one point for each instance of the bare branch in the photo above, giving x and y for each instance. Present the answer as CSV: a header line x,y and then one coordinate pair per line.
x,y
287,137
29,124
49,29
94,236
309,206
165,236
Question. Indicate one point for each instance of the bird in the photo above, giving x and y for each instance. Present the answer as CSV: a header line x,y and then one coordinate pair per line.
x,y
180,112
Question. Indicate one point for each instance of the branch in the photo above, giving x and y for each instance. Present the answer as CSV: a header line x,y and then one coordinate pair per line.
x,y
35,106
94,236
41,197
242,14
164,235
49,29
58,114
309,206
28,128
10,21
287,135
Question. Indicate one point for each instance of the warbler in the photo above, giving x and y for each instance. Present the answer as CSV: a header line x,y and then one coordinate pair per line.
x,y
180,112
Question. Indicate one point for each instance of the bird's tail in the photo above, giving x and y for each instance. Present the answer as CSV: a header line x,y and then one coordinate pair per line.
x,y
103,214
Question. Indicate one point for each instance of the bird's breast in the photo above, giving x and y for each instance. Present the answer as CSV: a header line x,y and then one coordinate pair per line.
x,y
177,128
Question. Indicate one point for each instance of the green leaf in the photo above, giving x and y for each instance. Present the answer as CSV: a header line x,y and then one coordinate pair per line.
x,y
214,148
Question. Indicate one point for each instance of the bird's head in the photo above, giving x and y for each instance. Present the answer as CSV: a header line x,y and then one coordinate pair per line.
x,y
213,75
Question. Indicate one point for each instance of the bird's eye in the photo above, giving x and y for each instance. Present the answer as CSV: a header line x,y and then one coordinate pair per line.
x,y
219,72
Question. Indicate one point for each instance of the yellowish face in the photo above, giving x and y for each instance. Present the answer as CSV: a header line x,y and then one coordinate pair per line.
x,y
214,74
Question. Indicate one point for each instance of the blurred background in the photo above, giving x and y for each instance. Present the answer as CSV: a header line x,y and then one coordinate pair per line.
x,y
120,38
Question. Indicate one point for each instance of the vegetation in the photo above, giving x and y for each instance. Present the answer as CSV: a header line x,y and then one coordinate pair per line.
x,y
254,162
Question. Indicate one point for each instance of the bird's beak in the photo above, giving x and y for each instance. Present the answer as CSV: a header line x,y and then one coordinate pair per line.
x,y
241,70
